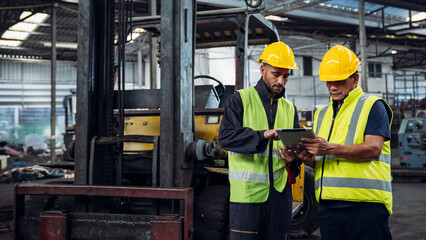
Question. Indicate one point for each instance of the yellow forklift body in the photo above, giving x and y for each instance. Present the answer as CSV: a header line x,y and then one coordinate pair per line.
x,y
206,128
140,125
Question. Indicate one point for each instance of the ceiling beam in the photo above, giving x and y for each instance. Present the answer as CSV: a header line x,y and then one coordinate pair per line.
x,y
336,39
405,4
223,3
338,17
289,5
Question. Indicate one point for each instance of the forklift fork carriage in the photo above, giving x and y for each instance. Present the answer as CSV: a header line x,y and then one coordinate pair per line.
x,y
54,224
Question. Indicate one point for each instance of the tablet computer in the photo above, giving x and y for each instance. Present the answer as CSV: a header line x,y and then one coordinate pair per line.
x,y
291,137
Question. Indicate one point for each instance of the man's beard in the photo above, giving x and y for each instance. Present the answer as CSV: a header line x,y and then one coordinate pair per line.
x,y
271,90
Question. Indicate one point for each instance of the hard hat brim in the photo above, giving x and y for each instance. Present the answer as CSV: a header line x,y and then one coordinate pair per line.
x,y
295,67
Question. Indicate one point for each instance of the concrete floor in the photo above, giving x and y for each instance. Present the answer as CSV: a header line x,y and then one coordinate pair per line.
x,y
407,223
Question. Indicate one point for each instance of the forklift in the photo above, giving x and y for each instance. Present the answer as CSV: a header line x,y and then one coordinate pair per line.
x,y
147,163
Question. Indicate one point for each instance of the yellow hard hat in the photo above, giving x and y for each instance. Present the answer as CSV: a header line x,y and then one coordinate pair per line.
x,y
338,64
278,54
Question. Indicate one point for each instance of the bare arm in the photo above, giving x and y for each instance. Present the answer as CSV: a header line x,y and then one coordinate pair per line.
x,y
370,149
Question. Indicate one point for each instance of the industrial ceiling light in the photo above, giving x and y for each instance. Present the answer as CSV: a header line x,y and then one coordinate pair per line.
x,y
418,17
9,43
139,30
276,18
15,35
24,27
21,30
135,34
253,3
36,18
62,45
394,52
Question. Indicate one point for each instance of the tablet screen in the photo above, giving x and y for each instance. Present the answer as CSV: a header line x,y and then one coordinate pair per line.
x,y
291,137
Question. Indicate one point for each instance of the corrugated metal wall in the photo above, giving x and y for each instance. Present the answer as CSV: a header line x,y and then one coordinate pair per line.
x,y
27,84
39,71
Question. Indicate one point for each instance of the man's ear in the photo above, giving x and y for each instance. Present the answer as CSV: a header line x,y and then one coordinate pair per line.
x,y
262,69
356,78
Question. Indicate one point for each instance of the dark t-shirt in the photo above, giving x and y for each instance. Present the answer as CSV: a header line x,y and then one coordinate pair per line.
x,y
378,121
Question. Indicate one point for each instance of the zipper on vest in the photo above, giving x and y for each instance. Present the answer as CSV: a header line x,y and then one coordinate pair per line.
x,y
323,159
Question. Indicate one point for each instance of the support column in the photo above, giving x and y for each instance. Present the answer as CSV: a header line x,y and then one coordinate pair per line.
x,y
240,55
363,45
153,62
386,87
16,123
177,57
315,92
53,86
153,46
139,66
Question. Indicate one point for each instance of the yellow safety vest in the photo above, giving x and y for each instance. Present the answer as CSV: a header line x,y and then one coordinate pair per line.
x,y
249,173
340,179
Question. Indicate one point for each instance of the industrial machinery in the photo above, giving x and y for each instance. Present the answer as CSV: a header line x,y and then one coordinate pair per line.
x,y
147,162
412,142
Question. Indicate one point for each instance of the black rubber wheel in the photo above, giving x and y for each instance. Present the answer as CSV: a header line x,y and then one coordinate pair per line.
x,y
305,222
211,214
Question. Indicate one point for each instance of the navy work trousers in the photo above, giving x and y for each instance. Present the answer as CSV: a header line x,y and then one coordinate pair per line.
x,y
364,221
267,221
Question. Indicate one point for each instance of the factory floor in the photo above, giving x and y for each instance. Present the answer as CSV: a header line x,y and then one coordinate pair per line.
x,y
407,222
409,217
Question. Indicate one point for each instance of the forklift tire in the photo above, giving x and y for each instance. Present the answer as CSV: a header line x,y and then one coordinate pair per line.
x,y
305,222
211,213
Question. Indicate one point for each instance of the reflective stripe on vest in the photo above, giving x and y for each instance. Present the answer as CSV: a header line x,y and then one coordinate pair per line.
x,y
385,158
354,119
354,183
275,153
249,173
254,177
341,179
321,117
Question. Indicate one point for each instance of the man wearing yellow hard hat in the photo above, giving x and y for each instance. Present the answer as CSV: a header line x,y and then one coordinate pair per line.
x,y
261,200
352,149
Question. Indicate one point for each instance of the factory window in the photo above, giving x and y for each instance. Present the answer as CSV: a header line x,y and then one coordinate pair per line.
x,y
375,70
307,66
